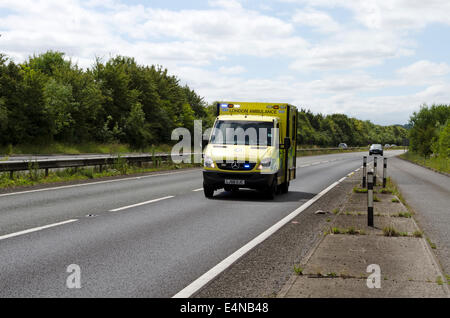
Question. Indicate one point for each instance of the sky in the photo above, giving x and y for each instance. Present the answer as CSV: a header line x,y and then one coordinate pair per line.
x,y
374,60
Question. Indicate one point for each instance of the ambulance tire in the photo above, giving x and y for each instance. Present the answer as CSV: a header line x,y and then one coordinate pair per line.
x,y
208,191
285,187
272,190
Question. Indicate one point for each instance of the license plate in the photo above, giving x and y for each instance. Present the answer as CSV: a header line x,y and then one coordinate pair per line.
x,y
235,182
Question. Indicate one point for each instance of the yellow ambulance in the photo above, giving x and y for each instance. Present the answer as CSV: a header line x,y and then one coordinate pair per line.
x,y
252,145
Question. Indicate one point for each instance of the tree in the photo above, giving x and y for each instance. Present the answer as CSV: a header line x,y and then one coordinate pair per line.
x,y
136,129
58,106
47,63
425,126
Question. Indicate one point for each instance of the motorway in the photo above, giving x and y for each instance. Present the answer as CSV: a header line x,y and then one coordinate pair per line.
x,y
147,236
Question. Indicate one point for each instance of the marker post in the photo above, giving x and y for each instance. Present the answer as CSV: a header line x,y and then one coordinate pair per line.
x,y
370,198
375,171
364,183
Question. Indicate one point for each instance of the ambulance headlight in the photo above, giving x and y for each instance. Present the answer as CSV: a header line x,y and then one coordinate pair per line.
x,y
265,163
208,162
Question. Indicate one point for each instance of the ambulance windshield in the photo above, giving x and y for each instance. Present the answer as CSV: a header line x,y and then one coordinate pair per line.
x,y
252,133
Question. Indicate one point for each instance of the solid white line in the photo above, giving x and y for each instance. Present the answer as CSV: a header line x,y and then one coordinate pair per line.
x,y
196,285
35,229
139,204
93,183
199,189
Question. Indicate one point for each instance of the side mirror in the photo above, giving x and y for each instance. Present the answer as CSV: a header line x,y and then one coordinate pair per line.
x,y
205,143
287,143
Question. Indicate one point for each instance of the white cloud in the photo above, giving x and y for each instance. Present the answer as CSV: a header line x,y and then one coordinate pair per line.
x,y
352,49
316,19
196,37
233,70
424,69
226,4
390,15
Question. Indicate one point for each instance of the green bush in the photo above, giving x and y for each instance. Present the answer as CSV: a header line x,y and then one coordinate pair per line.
x,y
429,133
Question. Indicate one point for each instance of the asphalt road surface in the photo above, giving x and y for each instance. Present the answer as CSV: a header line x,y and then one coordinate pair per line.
x,y
147,236
428,193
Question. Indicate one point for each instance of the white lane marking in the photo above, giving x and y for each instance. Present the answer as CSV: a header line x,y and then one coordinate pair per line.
x,y
35,229
94,183
142,203
200,282
317,163
199,189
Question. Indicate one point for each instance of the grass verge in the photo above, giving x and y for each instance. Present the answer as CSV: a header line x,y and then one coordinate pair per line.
x,y
76,149
391,188
298,270
359,190
392,232
348,231
435,163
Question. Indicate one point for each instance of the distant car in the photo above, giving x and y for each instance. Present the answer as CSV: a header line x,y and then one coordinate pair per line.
x,y
393,145
376,149
343,145
387,146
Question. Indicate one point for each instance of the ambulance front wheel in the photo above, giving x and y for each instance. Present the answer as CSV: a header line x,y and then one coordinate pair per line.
x,y
285,187
271,190
208,190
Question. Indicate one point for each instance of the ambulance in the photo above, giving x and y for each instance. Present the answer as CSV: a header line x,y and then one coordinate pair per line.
x,y
251,145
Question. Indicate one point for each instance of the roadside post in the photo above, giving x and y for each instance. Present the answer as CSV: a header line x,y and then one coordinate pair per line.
x,y
370,198
364,183
375,171
384,172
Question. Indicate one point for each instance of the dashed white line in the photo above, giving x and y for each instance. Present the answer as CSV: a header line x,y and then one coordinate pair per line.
x,y
196,190
94,183
35,229
142,203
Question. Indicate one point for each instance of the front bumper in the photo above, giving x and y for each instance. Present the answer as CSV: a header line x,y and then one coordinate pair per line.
x,y
253,180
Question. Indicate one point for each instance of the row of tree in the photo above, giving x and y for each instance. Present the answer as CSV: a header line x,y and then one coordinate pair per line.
x,y
330,130
48,98
430,131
